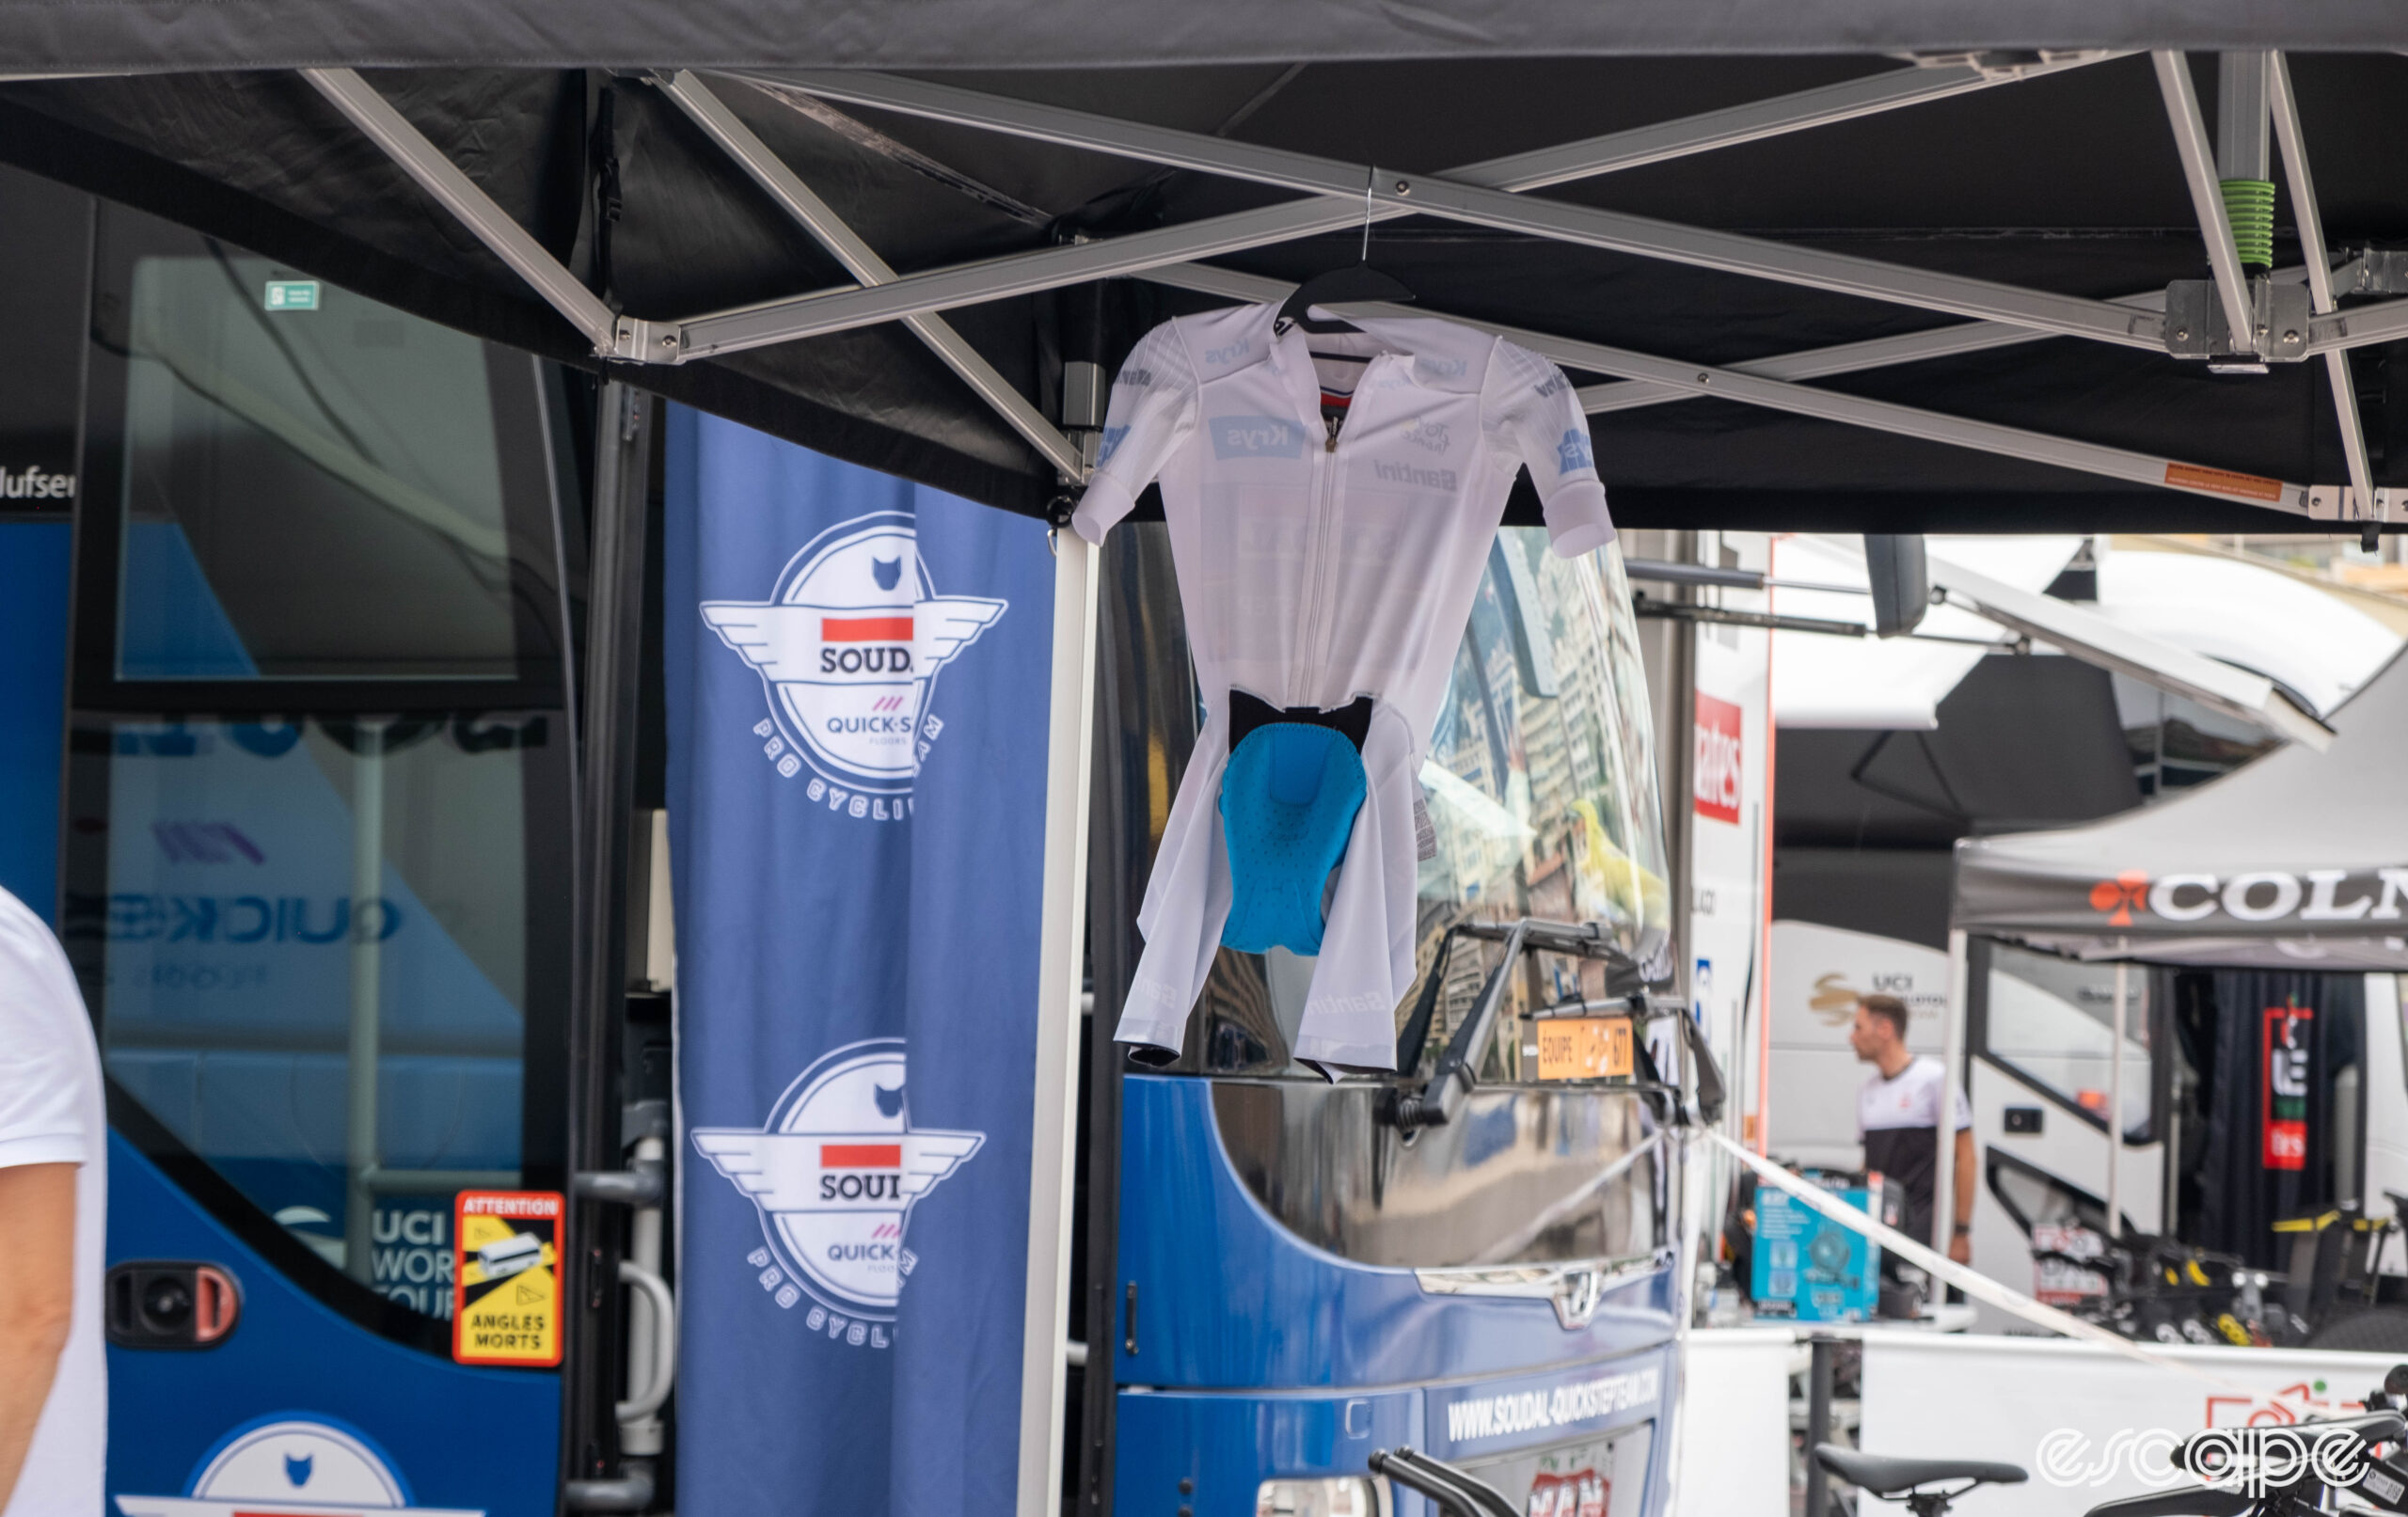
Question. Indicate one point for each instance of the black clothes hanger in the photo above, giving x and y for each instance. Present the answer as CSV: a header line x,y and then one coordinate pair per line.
x,y
1339,287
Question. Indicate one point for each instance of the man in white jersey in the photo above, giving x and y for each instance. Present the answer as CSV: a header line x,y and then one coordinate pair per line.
x,y
53,1201
1897,1118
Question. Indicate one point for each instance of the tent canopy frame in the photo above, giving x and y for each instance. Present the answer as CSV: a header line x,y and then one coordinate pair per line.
x,y
1497,193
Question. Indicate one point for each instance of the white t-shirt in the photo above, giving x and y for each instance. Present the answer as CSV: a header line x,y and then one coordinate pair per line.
x,y
1313,571
52,1113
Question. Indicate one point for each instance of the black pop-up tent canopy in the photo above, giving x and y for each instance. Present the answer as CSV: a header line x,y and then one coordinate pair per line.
x,y
1915,278
2297,862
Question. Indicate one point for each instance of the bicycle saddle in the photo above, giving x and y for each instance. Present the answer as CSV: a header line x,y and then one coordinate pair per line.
x,y
2193,1501
1884,1477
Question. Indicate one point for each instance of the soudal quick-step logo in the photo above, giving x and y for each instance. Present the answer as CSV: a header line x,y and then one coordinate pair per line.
x,y
849,644
835,1172
2308,898
292,1465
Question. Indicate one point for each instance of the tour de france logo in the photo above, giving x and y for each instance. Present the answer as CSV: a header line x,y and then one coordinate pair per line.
x,y
849,646
834,1173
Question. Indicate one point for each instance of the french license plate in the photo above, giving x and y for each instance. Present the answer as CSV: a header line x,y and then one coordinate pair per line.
x,y
1584,1047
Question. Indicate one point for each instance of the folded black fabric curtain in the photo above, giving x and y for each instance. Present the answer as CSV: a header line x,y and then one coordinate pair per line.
x,y
2266,1046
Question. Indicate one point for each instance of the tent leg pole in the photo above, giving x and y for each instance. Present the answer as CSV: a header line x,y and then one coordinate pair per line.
x,y
2284,112
2116,1108
1943,1180
2206,199
1061,941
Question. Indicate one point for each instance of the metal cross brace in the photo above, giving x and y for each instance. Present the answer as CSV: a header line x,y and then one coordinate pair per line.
x,y
797,200
639,340
1473,192
2207,202
1734,383
2319,283
1487,199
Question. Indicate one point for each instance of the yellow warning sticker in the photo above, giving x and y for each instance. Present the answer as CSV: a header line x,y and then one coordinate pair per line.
x,y
506,1274
2223,482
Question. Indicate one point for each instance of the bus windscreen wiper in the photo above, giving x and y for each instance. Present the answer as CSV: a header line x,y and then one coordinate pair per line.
x,y
1458,1072
1457,1493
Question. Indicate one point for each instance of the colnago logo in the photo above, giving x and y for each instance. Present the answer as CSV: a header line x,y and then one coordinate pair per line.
x,y
835,1172
1715,776
2307,897
1413,474
1475,1417
1256,436
849,644
292,1465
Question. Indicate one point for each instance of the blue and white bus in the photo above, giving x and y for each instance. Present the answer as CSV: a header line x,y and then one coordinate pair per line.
x,y
296,615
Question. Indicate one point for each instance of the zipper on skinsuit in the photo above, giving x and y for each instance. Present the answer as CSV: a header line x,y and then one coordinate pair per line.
x,y
1312,634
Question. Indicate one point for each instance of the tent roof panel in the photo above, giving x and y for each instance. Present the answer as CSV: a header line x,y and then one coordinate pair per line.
x,y
246,34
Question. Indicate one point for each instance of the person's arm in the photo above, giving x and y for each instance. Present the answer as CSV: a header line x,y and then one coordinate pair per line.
x,y
1960,1241
36,1299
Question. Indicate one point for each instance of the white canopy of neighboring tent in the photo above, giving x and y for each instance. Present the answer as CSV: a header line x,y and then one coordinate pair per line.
x,y
1824,681
2316,646
2298,860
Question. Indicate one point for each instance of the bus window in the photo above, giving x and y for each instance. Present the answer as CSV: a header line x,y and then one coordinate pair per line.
x,y
310,484
317,868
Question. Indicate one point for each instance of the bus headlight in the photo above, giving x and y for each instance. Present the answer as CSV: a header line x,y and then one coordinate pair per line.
x,y
1330,1497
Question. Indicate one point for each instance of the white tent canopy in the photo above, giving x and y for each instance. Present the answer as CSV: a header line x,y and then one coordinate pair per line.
x,y
2300,860
2317,647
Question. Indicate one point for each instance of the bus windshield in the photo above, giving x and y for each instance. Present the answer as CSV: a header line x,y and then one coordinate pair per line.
x,y
1540,785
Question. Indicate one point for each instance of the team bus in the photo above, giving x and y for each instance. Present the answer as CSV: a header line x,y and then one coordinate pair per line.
x,y
295,603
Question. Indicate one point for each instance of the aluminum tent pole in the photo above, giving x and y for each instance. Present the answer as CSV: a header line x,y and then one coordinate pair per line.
x,y
475,209
1944,1185
2115,1109
1046,1309
1805,399
1460,199
2285,111
2207,198
797,200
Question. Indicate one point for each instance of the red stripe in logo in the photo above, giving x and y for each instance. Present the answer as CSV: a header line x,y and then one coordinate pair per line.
x,y
860,1155
865,629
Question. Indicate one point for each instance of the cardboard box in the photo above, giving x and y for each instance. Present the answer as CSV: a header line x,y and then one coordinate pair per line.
x,y
1808,1267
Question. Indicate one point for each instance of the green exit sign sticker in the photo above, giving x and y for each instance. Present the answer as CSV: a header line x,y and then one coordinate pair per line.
x,y
293,294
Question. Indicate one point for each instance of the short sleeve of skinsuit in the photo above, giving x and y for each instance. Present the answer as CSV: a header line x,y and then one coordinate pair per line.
x,y
1152,413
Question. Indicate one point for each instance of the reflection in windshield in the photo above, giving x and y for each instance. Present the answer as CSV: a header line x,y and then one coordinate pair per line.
x,y
1540,785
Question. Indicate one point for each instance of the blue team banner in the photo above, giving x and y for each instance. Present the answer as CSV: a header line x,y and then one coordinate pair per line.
x,y
858,684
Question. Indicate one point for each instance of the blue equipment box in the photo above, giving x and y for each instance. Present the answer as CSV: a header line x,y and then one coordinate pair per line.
x,y
1808,1267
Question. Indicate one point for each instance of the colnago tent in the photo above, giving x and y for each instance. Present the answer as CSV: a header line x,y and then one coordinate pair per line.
x,y
2298,860
1872,266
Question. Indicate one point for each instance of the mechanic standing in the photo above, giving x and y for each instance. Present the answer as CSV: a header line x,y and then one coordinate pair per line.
x,y
1897,1119
53,1201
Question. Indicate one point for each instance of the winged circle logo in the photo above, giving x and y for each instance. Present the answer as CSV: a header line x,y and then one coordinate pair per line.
x,y
292,1465
834,1173
849,646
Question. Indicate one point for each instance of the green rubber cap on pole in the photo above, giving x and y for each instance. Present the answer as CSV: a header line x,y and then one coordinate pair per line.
x,y
2249,206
